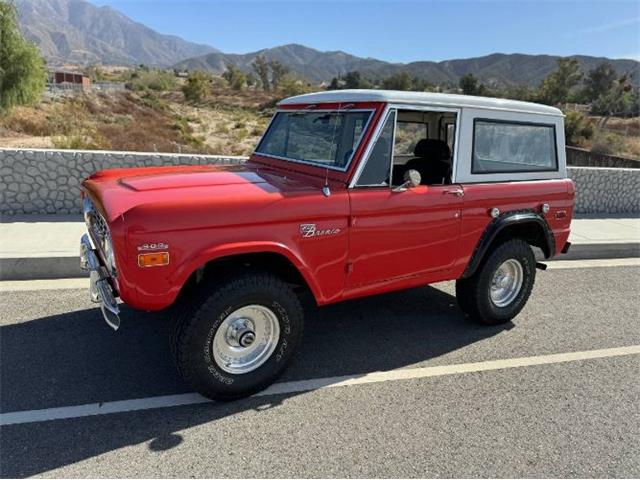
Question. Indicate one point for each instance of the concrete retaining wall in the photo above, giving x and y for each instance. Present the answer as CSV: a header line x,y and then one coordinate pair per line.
x,y
47,181
606,190
579,157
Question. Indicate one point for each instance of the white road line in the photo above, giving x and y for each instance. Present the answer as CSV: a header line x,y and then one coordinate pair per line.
x,y
595,263
30,416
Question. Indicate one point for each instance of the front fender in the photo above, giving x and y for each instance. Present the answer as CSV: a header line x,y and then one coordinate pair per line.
x,y
190,265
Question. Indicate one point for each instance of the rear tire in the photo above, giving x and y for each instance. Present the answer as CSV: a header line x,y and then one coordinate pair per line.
x,y
236,339
501,286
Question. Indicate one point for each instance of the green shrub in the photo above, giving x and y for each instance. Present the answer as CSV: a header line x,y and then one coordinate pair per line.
x,y
240,135
151,100
198,86
81,142
577,128
290,85
235,77
607,143
156,80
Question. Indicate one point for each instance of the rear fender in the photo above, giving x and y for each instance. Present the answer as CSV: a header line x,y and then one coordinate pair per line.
x,y
526,220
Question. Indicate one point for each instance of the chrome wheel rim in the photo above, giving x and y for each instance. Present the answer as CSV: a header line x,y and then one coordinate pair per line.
x,y
506,283
245,339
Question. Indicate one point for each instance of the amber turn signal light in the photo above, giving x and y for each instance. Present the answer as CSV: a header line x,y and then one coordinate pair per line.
x,y
155,259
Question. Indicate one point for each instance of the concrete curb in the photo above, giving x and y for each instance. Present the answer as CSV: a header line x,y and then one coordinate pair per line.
x,y
589,251
36,268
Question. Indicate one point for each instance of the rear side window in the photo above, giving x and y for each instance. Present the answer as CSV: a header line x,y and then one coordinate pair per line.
x,y
504,147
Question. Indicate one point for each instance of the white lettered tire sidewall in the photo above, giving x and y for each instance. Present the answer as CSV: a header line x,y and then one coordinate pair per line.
x,y
194,350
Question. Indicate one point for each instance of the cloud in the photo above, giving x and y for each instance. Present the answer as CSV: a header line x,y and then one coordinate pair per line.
x,y
628,56
611,26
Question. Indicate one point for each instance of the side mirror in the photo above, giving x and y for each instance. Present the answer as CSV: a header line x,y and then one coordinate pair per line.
x,y
412,179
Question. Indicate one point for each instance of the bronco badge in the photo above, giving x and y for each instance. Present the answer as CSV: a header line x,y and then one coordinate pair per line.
x,y
310,230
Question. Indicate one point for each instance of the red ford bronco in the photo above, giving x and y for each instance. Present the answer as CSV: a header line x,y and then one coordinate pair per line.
x,y
348,193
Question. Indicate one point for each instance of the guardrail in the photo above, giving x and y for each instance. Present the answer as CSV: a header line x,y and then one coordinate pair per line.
x,y
47,181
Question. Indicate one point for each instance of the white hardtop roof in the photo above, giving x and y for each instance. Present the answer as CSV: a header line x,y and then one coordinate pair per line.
x,y
421,98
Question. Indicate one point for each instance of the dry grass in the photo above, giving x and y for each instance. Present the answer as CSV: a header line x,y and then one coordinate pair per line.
x,y
228,123
619,136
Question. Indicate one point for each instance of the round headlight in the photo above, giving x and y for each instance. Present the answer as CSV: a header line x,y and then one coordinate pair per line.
x,y
87,207
107,248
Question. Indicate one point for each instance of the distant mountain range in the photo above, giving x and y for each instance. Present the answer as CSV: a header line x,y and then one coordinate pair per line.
x,y
78,32
494,69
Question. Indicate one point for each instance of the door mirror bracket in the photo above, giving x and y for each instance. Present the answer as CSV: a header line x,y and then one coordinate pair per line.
x,y
412,179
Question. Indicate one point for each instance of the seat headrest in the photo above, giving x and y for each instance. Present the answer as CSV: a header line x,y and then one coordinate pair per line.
x,y
435,149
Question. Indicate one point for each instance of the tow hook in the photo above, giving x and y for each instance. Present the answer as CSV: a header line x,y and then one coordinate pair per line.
x,y
541,266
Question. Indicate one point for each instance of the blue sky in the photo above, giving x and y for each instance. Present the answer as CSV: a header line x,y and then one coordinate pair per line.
x,y
400,31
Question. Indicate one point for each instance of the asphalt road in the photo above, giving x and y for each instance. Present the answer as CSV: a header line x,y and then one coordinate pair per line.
x,y
570,418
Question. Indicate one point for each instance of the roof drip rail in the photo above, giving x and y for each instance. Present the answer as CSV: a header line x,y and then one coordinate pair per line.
x,y
305,109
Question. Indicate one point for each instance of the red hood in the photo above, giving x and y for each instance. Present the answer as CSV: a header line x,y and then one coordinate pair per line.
x,y
206,187
142,180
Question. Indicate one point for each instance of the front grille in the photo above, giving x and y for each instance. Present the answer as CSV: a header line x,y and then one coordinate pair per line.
x,y
96,224
99,234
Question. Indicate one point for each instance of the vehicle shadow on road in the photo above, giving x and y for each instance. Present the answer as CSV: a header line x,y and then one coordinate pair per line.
x,y
74,359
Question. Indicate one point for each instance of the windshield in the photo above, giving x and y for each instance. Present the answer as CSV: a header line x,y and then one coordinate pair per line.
x,y
325,138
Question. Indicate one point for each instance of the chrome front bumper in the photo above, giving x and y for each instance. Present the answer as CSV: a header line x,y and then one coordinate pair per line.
x,y
101,291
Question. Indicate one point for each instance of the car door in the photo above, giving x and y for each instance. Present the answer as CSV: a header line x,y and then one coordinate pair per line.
x,y
395,234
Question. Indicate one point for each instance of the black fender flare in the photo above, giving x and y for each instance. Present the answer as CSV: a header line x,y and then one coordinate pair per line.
x,y
502,222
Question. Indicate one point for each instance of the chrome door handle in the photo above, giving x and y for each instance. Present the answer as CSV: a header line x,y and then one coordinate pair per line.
x,y
458,192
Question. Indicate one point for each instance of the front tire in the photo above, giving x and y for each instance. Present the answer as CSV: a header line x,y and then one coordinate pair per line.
x,y
237,339
501,286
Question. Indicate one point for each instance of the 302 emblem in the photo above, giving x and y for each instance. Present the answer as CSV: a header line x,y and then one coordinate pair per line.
x,y
311,230
153,246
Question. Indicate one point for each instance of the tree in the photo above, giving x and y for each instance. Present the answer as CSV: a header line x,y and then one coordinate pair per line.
x,y
291,85
235,77
556,87
252,79
22,69
621,99
354,80
517,92
599,81
421,85
469,84
335,84
197,87
261,67
278,71
398,81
